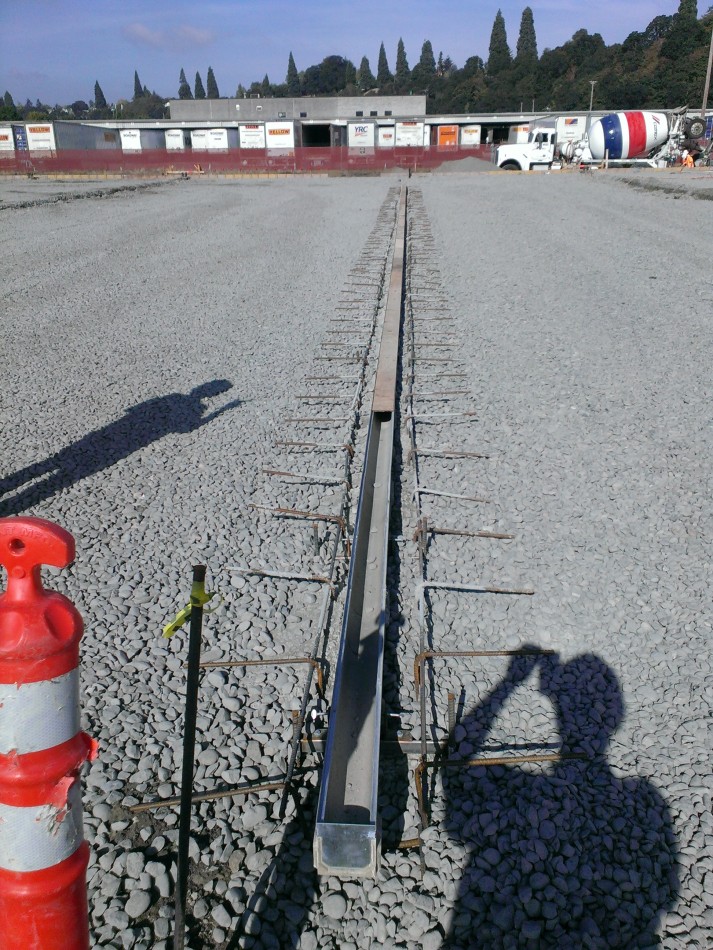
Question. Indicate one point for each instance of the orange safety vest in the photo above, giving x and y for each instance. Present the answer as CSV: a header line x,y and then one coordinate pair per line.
x,y
688,161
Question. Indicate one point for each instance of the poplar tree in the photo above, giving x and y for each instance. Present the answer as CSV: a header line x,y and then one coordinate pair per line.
x,y
293,78
425,69
402,74
198,90
212,85
365,77
383,74
526,41
99,99
427,62
499,56
184,90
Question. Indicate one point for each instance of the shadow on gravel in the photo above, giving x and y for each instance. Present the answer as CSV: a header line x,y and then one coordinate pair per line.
x,y
277,910
99,450
570,858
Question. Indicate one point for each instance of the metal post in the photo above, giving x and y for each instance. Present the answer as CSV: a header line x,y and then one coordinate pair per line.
x,y
708,79
189,745
592,83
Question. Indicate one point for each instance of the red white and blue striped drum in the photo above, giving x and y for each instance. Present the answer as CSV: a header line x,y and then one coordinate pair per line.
x,y
627,134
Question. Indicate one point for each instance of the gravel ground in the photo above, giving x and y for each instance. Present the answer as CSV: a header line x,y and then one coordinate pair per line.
x,y
585,321
155,341
19,192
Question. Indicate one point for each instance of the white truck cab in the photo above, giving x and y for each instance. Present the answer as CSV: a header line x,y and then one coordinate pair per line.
x,y
537,152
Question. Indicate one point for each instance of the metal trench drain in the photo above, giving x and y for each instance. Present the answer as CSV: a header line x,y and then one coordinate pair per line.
x,y
347,834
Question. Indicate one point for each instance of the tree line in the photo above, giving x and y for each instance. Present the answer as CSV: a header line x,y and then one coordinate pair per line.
x,y
661,67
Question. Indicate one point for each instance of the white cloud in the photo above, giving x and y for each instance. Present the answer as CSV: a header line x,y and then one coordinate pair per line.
x,y
195,36
143,36
179,39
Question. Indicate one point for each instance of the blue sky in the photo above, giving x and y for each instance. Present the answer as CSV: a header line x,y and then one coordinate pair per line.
x,y
55,50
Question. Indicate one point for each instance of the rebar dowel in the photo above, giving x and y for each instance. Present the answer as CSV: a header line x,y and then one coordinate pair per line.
x,y
451,717
189,744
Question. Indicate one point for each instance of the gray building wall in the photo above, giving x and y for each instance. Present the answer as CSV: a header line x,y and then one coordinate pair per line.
x,y
306,108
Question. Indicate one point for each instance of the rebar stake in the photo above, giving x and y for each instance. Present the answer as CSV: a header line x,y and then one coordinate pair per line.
x,y
189,745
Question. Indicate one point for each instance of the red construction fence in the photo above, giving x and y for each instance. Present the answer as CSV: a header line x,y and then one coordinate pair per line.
x,y
236,161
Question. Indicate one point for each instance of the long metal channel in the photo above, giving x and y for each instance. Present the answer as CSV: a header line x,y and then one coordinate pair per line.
x,y
347,835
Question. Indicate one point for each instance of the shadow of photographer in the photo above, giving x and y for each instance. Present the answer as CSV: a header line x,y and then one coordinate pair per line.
x,y
570,857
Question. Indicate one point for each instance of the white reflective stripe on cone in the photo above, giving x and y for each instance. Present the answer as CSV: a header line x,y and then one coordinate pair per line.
x,y
39,837
38,716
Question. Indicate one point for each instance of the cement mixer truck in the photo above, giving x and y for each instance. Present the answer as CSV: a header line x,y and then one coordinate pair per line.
x,y
623,138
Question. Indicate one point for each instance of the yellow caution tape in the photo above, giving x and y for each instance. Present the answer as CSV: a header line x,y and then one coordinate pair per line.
x,y
199,597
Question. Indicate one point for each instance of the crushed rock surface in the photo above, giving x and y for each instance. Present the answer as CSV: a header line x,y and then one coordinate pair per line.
x,y
152,353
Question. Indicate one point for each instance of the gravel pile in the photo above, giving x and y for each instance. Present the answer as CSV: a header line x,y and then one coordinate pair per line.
x,y
155,343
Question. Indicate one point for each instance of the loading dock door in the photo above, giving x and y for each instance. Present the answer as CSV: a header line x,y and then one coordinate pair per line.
x,y
316,136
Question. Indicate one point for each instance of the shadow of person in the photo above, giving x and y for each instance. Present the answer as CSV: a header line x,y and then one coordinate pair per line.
x,y
140,425
569,857
278,908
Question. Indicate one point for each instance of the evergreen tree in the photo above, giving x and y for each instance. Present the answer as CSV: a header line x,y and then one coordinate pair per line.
x,y
383,75
427,62
212,85
688,10
527,41
184,90
293,78
523,78
198,90
365,77
99,100
265,89
687,34
8,109
402,74
499,57
425,69
241,91
138,88
349,74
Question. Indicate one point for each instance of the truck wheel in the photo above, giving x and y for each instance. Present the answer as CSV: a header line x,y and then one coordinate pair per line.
x,y
510,167
695,128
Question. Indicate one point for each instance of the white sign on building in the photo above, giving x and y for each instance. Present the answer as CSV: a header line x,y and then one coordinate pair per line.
x,y
280,134
409,133
40,138
252,135
130,140
360,134
470,135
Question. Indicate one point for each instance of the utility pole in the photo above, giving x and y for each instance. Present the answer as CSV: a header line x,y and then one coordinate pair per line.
x,y
592,83
708,79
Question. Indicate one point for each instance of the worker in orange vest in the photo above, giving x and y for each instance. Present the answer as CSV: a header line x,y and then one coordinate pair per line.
x,y
687,159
